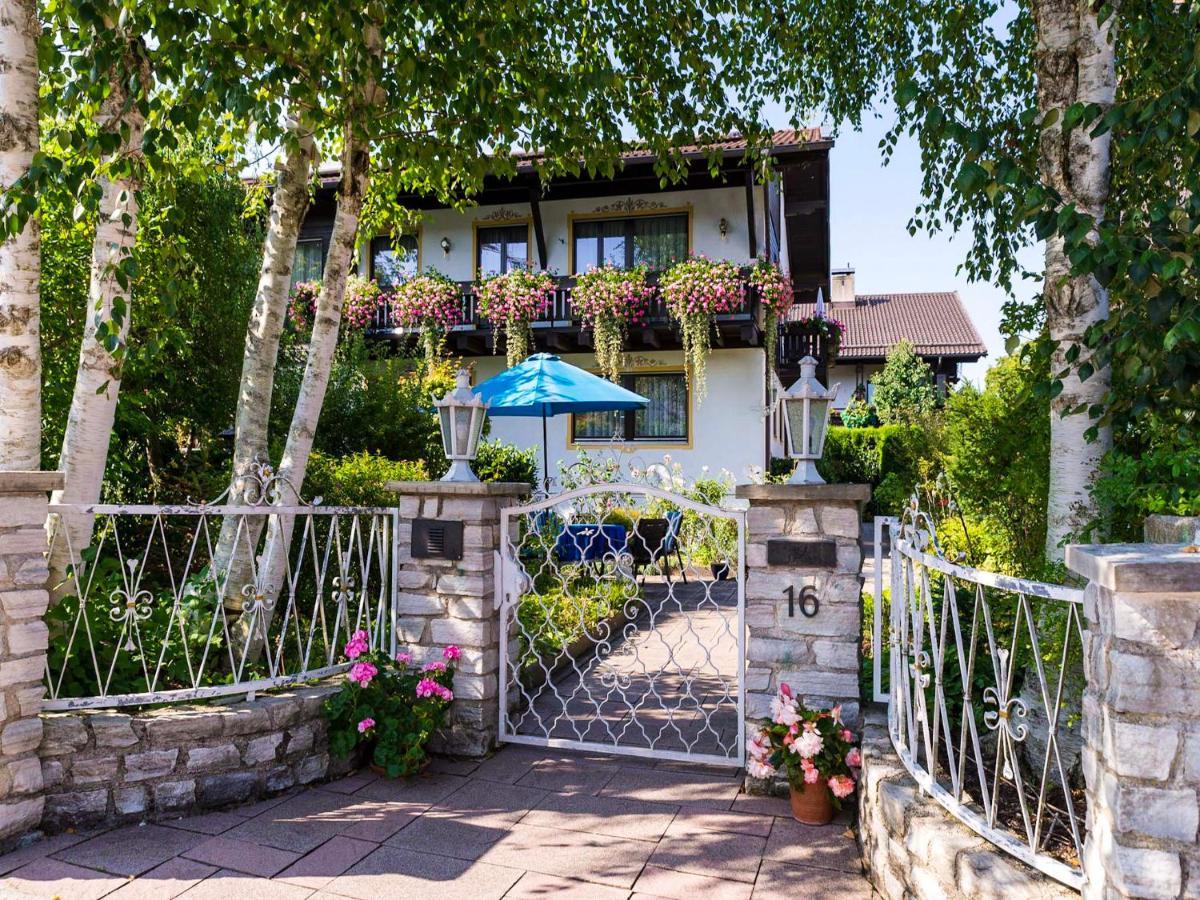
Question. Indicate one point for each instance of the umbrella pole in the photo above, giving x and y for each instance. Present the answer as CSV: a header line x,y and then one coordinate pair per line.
x,y
545,457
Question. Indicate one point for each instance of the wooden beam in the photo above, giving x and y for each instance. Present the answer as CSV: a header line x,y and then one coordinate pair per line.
x,y
751,234
539,233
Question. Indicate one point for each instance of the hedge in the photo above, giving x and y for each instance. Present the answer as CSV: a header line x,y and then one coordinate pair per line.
x,y
886,457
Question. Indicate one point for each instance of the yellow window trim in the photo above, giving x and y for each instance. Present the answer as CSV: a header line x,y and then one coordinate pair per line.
x,y
667,369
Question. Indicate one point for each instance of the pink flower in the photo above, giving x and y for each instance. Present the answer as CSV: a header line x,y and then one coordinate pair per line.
x,y
785,689
811,775
854,758
403,658
427,687
842,786
358,644
451,653
808,745
836,712
847,734
757,768
435,666
362,673
366,725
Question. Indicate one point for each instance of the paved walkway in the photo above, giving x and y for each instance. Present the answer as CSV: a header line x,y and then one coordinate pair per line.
x,y
526,823
665,681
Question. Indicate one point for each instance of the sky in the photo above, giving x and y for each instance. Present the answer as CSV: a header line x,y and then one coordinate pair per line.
x,y
870,205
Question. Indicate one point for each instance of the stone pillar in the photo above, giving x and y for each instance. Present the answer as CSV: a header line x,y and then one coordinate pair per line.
x,y
1141,719
803,595
443,601
23,639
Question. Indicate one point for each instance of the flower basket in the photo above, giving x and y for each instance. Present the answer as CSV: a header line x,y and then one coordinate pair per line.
x,y
694,291
813,749
360,304
432,303
391,707
775,293
511,302
609,300
826,329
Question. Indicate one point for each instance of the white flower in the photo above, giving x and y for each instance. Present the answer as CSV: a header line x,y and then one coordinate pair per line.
x,y
783,712
808,744
758,746
759,769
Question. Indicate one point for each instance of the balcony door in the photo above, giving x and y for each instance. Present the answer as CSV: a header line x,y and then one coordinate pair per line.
x,y
655,242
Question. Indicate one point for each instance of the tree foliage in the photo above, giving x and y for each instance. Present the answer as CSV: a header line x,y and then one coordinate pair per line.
x,y
904,387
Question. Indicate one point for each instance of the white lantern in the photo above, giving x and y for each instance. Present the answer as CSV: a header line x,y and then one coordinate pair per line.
x,y
808,406
461,415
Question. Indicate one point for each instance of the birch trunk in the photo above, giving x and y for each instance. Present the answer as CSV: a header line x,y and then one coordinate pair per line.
x,y
233,559
98,375
20,262
273,567
1075,64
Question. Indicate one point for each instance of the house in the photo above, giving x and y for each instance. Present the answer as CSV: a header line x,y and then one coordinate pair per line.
x,y
579,221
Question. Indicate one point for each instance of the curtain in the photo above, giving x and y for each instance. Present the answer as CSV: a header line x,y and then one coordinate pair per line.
x,y
666,415
659,241
309,261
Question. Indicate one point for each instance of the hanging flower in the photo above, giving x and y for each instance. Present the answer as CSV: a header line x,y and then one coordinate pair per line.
x,y
609,300
431,303
829,329
774,289
694,291
366,725
511,302
361,303
303,304
842,786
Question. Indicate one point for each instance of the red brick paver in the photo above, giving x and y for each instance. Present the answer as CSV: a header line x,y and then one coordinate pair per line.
x,y
527,823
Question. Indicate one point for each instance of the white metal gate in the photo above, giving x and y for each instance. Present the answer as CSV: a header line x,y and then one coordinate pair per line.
x,y
622,624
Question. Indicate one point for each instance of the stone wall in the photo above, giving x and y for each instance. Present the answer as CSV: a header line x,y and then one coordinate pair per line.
x,y
23,639
110,766
912,847
444,601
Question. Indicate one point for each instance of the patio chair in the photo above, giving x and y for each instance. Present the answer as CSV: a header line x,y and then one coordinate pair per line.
x,y
654,540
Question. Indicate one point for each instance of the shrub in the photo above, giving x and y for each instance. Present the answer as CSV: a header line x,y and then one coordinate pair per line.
x,y
887,458
904,387
858,414
498,461
1149,471
358,479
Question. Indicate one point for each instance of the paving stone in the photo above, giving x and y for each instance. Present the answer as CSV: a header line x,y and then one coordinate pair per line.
x,y
571,854
567,776
780,881
54,878
823,846
734,857
326,862
298,824
170,879
672,787
535,886
763,806
695,821
394,872
463,836
510,765
678,885
445,765
377,820
38,849
350,783
208,823
616,816
129,850
240,856
417,789
229,884
486,798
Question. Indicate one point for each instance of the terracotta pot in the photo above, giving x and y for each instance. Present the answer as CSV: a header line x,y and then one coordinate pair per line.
x,y
812,804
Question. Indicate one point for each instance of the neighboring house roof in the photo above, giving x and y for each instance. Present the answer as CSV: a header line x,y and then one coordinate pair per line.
x,y
935,322
733,145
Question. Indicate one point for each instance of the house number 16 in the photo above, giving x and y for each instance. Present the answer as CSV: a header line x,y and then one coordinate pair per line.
x,y
810,605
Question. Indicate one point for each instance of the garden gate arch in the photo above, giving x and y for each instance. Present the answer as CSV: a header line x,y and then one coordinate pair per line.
x,y
622,624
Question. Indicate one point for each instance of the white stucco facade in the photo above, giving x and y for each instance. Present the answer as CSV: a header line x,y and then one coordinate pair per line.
x,y
727,430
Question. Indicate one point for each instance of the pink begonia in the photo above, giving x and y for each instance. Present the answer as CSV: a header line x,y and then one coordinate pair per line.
x,y
854,758
811,775
785,689
451,653
783,711
366,725
362,673
757,768
842,786
358,644
759,746
808,745
435,666
847,734
403,658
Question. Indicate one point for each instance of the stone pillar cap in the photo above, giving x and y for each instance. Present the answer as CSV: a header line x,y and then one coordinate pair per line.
x,y
1137,568
29,482
859,493
460,488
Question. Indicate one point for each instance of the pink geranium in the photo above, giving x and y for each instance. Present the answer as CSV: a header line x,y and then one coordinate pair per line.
x,y
362,673
451,653
366,725
427,687
435,666
404,658
358,644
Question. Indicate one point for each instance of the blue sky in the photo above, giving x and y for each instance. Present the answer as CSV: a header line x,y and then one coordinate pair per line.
x,y
870,205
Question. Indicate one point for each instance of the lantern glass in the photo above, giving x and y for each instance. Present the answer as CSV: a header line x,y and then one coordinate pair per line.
x,y
460,417
807,404
444,413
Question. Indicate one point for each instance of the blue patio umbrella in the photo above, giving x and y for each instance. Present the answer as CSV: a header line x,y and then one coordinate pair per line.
x,y
544,386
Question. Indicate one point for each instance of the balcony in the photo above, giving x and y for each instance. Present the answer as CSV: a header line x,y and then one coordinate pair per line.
x,y
560,330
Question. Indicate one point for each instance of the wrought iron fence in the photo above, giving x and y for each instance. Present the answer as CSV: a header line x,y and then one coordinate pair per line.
x,y
986,680
172,603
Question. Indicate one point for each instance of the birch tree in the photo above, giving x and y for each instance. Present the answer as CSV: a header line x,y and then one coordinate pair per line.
x,y
20,351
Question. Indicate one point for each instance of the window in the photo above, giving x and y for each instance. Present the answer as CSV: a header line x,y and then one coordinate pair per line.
x,y
393,259
652,241
500,249
664,420
309,262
